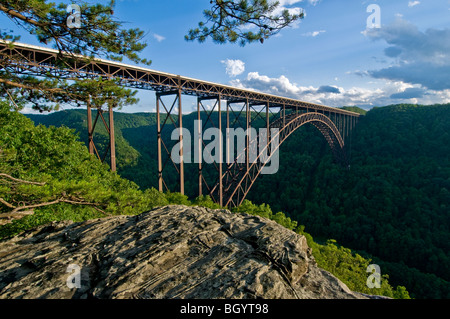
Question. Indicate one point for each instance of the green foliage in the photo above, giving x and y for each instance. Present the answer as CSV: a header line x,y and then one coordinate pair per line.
x,y
54,157
265,211
99,34
351,268
355,109
47,215
102,93
129,128
177,198
229,21
205,201
348,267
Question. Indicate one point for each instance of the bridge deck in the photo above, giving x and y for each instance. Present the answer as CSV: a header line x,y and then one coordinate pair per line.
x,y
35,60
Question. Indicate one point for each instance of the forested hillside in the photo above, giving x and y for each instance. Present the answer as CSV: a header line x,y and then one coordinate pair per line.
x,y
392,205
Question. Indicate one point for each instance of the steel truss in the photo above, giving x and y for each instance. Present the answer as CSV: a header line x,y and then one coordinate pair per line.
x,y
109,128
244,109
241,179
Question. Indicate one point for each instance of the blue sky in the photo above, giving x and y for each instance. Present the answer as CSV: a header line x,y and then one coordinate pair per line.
x,y
331,57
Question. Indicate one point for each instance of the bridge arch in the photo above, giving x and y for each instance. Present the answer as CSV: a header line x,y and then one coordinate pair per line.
x,y
243,179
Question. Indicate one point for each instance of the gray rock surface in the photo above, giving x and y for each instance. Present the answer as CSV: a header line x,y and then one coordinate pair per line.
x,y
170,252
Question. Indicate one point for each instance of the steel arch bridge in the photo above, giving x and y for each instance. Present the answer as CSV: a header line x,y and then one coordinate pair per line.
x,y
243,109
239,178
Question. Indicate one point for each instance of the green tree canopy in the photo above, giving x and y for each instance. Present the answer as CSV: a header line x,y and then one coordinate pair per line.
x,y
229,21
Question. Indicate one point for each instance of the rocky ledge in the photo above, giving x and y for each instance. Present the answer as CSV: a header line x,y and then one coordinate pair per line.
x,y
170,252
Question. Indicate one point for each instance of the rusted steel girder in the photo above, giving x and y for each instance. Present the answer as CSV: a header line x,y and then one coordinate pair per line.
x,y
240,179
174,119
216,108
91,126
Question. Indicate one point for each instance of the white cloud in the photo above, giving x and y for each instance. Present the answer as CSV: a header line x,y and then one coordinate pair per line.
x,y
392,92
158,37
234,67
314,2
288,2
289,6
420,57
326,94
413,3
313,33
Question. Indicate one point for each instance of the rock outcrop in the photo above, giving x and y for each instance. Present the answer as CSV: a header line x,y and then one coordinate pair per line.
x,y
170,252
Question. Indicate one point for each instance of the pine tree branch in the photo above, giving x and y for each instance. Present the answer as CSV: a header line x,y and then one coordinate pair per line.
x,y
16,215
29,87
7,218
227,19
7,204
12,99
18,210
94,205
20,16
27,207
21,180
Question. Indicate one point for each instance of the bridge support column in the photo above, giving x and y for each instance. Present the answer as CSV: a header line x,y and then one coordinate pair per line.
x,y
159,139
90,131
112,140
199,149
164,148
248,124
220,154
217,107
267,122
109,128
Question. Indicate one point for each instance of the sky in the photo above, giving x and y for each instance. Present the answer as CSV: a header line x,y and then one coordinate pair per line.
x,y
343,53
